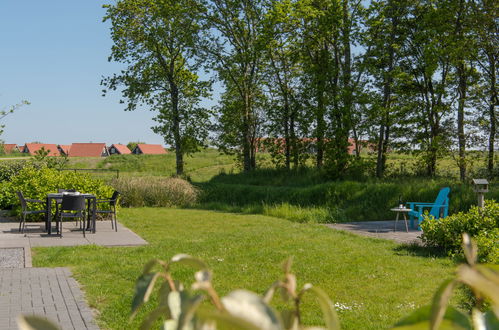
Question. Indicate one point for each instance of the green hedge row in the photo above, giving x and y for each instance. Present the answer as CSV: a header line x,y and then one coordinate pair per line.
x,y
36,182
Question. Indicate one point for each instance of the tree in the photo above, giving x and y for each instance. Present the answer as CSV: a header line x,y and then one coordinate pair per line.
x,y
384,38
156,40
282,71
235,52
485,31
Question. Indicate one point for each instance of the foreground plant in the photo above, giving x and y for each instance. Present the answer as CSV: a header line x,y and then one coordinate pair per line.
x,y
240,309
483,280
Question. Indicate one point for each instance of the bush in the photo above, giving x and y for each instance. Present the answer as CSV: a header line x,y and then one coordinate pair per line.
x,y
482,225
37,182
154,191
8,169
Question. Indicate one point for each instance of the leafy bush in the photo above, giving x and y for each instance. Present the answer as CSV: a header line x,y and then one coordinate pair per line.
x,y
481,224
37,182
483,280
150,191
8,169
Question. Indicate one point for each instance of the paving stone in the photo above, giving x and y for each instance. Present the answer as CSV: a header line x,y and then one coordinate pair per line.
x,y
59,304
381,229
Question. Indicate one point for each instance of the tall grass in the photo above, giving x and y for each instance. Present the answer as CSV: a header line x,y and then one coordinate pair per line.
x,y
342,200
154,191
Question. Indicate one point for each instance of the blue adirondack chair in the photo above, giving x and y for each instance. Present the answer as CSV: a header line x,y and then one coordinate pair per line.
x,y
438,209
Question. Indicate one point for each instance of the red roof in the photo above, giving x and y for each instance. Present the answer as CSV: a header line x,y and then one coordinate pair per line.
x,y
65,148
122,149
9,147
87,150
151,149
32,148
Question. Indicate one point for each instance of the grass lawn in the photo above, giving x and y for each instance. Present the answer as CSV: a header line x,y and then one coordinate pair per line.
x,y
378,281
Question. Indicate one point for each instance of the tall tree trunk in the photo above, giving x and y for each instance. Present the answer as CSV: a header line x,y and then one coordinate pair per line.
x,y
287,151
494,102
343,143
460,120
321,125
247,156
179,154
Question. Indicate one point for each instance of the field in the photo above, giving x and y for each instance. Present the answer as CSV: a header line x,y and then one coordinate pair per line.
x,y
373,282
305,195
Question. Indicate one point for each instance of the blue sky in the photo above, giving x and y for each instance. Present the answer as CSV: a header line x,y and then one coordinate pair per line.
x,y
53,54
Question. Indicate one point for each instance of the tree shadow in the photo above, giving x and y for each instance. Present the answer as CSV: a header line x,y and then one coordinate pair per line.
x,y
416,249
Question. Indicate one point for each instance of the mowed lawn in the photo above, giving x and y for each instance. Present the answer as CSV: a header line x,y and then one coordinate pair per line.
x,y
374,282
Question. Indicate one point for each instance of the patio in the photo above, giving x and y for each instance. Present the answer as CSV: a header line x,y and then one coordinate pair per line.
x,y
49,292
381,229
36,236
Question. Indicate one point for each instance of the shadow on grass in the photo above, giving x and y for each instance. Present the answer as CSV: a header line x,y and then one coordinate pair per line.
x,y
415,249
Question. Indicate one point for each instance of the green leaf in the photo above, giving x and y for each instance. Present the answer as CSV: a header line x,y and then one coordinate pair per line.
x,y
227,321
189,307
470,249
474,277
269,294
440,301
330,316
151,264
251,308
143,289
175,304
170,325
31,322
148,322
189,261
421,319
491,320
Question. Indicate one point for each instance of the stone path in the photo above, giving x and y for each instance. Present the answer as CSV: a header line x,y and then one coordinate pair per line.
x,y
47,292
71,236
381,229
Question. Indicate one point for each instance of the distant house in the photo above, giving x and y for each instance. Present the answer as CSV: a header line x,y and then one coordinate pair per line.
x,y
64,149
32,148
88,150
119,149
21,148
149,149
10,147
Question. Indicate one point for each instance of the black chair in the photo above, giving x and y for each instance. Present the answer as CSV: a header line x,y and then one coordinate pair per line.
x,y
112,202
58,201
25,210
72,206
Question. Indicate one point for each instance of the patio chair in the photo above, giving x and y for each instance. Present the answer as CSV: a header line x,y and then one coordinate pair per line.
x,y
438,209
112,202
74,207
26,211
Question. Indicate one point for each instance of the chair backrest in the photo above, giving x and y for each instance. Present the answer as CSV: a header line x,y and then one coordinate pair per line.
x,y
24,205
437,210
59,190
73,203
114,198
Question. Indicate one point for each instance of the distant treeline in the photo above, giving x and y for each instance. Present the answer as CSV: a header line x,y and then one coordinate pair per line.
x,y
411,75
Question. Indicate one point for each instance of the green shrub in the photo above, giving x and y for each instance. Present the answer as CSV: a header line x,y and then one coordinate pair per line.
x,y
8,169
37,182
155,191
481,224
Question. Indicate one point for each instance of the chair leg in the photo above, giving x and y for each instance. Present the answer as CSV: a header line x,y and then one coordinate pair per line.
x,y
115,222
23,223
20,222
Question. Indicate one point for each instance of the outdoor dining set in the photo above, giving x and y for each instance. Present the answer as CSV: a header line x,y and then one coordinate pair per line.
x,y
69,204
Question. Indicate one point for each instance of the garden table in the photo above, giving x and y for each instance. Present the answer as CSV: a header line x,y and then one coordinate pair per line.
x,y
91,208
404,211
